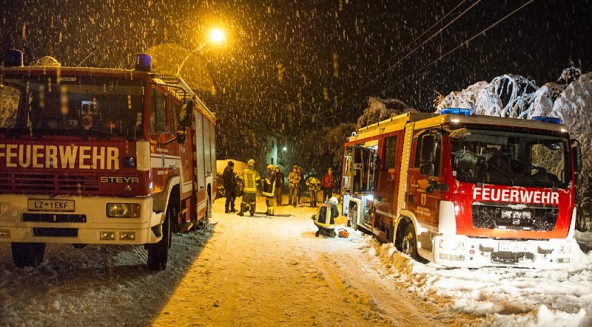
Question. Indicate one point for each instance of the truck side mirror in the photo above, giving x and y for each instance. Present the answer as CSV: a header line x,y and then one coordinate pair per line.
x,y
575,149
181,136
186,113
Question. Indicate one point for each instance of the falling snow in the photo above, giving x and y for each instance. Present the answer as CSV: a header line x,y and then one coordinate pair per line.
x,y
269,271
309,73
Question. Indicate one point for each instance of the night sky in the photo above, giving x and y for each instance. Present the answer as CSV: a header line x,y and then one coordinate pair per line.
x,y
290,66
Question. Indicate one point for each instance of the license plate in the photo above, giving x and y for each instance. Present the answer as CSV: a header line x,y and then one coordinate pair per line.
x,y
51,205
513,247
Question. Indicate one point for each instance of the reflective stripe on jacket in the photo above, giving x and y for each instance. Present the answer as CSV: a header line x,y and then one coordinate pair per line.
x,y
269,185
250,179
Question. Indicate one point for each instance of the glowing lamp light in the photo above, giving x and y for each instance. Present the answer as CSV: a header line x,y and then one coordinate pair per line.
x,y
217,35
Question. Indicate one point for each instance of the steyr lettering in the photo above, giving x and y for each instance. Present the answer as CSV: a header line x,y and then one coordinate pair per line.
x,y
119,179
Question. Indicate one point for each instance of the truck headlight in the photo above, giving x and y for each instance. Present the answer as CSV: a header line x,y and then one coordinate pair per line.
x,y
455,245
123,210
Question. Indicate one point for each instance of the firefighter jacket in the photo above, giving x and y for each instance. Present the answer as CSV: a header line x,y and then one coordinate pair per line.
x,y
269,185
250,178
313,184
294,179
326,215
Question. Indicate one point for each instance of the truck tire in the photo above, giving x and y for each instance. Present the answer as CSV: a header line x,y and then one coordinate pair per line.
x,y
408,243
28,254
158,253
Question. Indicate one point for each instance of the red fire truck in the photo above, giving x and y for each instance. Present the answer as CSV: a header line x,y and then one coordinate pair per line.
x,y
465,191
101,156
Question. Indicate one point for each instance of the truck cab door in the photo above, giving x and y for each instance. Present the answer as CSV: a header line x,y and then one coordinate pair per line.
x,y
425,184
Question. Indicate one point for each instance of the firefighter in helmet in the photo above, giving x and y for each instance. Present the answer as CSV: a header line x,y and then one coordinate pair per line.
x,y
269,189
251,179
325,218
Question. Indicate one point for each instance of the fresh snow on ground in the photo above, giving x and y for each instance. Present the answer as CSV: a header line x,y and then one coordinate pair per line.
x,y
269,271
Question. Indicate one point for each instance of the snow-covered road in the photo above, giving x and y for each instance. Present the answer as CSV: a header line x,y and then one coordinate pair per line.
x,y
247,271
270,271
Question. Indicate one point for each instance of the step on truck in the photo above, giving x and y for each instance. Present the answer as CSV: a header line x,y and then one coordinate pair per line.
x,y
101,156
462,190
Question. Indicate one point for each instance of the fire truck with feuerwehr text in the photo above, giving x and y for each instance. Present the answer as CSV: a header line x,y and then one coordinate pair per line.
x,y
101,156
465,191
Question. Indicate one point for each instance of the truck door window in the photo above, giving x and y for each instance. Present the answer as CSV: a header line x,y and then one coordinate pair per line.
x,y
173,109
364,168
427,154
389,153
158,122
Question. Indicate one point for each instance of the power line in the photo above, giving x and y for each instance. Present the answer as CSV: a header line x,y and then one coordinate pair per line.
x,y
419,37
466,41
410,52
482,32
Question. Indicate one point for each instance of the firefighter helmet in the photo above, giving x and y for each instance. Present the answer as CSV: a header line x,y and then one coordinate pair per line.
x,y
333,200
251,162
270,167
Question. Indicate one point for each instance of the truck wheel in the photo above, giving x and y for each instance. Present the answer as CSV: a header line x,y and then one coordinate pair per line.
x,y
158,253
409,242
28,254
352,216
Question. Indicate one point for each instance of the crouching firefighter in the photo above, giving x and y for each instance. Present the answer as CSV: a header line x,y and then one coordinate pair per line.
x,y
269,189
251,179
324,219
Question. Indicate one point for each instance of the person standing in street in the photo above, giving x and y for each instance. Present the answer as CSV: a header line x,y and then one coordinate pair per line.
x,y
279,186
301,184
314,185
251,179
269,186
294,180
229,182
328,184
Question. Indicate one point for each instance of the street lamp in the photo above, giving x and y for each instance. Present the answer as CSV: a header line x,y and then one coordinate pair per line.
x,y
216,36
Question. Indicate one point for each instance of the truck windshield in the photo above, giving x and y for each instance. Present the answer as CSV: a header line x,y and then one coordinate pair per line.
x,y
510,157
77,106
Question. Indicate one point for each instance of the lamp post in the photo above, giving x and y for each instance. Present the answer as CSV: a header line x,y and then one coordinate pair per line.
x,y
216,36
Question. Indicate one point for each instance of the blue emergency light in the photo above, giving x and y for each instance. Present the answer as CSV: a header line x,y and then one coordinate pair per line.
x,y
456,111
144,62
545,119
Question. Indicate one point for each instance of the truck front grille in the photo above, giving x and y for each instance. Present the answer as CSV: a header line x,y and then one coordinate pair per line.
x,y
54,218
55,232
525,217
64,184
